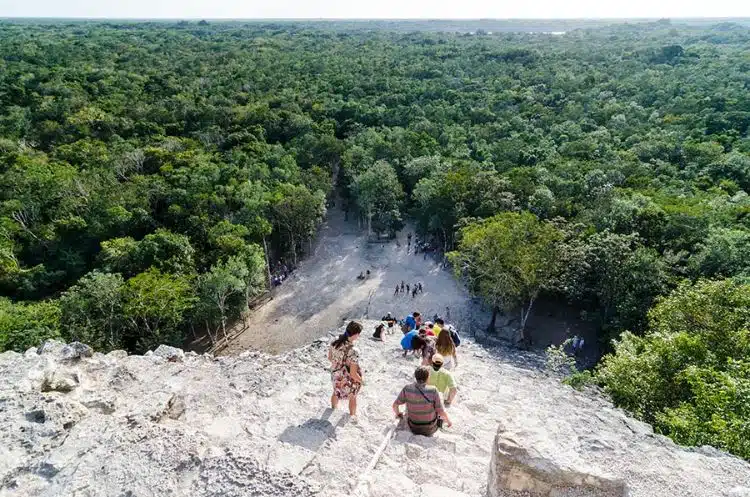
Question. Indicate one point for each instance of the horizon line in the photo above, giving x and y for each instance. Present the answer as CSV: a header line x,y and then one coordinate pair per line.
x,y
657,18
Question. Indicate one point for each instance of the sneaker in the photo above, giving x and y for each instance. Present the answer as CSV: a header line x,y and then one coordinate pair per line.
x,y
353,419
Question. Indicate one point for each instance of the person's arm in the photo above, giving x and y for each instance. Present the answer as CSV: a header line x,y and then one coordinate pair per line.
x,y
440,410
455,358
330,355
354,371
444,415
451,395
401,399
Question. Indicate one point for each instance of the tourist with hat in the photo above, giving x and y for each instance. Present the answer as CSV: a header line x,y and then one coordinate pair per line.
x,y
442,380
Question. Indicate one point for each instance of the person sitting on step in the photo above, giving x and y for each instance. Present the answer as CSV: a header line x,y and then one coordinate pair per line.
x,y
424,408
379,329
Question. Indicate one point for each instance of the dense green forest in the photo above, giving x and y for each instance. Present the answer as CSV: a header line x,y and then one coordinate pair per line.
x,y
149,172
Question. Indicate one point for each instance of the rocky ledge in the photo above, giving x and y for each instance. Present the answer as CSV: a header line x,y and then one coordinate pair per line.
x,y
78,423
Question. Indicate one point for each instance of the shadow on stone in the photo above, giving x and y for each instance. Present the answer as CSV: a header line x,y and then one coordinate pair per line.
x,y
311,434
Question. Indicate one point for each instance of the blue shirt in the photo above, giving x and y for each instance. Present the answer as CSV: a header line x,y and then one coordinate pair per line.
x,y
410,322
406,341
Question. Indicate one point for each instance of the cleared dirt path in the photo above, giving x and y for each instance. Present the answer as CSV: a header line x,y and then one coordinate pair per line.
x,y
324,292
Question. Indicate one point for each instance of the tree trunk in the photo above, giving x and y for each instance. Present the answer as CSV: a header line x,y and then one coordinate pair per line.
x,y
491,326
369,221
524,317
210,336
268,264
294,250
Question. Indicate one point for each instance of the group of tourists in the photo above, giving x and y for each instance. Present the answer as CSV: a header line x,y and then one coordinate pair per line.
x,y
576,345
280,273
406,288
419,246
434,388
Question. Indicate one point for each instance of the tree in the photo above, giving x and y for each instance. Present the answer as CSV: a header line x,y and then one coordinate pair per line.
x,y
167,251
27,324
421,167
297,211
154,305
220,284
379,195
689,375
724,253
253,258
118,255
612,275
458,190
164,250
508,259
91,311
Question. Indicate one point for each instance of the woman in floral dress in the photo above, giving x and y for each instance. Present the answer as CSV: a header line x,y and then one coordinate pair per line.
x,y
346,374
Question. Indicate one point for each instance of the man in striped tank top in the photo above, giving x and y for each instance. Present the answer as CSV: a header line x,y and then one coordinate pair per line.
x,y
424,408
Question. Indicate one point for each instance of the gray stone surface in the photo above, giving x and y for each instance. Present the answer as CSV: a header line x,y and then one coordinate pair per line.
x,y
530,467
259,425
171,354
75,351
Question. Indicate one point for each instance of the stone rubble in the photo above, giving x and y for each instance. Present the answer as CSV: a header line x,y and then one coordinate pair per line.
x,y
174,423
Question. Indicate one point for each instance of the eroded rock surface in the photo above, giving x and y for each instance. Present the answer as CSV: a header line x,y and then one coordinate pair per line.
x,y
539,471
259,425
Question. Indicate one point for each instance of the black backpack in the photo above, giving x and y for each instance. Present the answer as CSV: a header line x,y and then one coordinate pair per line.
x,y
455,337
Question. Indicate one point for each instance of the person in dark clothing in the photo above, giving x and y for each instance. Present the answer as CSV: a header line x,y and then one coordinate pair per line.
x,y
379,329
419,285
414,292
407,288
390,321
396,292
402,285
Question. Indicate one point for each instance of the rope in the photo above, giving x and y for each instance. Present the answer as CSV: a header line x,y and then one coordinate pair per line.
x,y
360,490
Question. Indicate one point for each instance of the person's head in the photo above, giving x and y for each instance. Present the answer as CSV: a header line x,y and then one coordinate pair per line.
x,y
444,343
430,325
440,322
422,374
352,332
388,315
422,331
437,361
416,314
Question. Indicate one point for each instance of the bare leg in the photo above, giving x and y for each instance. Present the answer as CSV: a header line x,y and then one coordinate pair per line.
x,y
352,405
334,401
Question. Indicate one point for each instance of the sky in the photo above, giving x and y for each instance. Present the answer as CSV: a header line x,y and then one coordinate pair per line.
x,y
455,9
